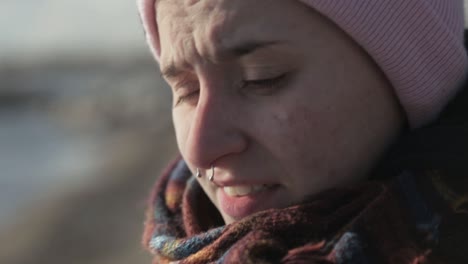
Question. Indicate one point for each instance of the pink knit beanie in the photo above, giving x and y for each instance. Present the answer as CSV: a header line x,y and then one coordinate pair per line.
x,y
418,44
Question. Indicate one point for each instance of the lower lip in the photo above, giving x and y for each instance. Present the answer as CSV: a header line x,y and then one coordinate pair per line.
x,y
243,206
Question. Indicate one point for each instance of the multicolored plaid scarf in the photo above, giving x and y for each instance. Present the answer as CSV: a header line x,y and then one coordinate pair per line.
x,y
413,209
412,218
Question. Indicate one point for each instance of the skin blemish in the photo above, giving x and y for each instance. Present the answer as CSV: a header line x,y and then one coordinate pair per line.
x,y
282,116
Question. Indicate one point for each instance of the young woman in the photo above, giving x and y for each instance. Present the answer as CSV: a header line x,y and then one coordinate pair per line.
x,y
312,131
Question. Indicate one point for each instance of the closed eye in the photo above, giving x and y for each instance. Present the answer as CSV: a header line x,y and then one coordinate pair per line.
x,y
265,85
187,98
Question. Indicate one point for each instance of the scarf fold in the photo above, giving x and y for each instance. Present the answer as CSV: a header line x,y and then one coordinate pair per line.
x,y
375,222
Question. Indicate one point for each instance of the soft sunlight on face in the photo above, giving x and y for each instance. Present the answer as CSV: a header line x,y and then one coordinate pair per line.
x,y
283,104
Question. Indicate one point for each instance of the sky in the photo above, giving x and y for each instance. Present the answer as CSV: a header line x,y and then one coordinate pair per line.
x,y
49,27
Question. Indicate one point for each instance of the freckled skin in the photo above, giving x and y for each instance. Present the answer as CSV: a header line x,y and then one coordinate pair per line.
x,y
324,127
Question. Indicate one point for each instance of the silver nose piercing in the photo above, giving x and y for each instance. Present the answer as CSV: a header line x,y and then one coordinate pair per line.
x,y
198,173
212,173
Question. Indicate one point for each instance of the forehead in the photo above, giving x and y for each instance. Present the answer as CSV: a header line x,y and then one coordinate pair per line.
x,y
180,20
214,16
191,29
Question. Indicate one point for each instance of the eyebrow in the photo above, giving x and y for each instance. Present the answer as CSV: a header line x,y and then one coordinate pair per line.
x,y
249,47
170,71
240,50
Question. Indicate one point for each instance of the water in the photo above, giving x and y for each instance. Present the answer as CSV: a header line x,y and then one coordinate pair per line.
x,y
36,157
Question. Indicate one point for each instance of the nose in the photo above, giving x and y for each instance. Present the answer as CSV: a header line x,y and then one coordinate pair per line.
x,y
216,131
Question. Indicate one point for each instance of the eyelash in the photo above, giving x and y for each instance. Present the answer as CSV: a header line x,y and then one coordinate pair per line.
x,y
268,84
188,96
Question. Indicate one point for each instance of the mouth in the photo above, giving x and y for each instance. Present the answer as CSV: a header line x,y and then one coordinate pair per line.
x,y
240,191
240,201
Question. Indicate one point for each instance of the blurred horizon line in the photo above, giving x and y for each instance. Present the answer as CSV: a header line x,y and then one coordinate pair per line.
x,y
78,58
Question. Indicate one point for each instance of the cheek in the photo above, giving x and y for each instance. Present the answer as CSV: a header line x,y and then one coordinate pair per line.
x,y
305,144
301,130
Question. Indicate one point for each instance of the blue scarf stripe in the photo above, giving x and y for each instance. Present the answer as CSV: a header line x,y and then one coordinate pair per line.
x,y
177,249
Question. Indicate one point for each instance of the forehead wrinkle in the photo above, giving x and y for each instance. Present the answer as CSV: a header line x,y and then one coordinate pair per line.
x,y
209,22
226,30
176,27
205,31
194,30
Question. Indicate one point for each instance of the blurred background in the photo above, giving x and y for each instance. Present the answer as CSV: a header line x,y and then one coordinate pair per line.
x,y
84,131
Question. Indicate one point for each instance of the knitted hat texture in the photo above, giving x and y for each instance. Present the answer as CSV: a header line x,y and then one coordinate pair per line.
x,y
418,44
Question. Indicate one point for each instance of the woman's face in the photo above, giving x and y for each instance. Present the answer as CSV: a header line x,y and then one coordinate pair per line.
x,y
276,97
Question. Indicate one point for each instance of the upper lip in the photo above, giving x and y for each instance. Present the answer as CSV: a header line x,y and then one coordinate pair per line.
x,y
223,178
233,182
